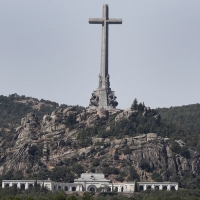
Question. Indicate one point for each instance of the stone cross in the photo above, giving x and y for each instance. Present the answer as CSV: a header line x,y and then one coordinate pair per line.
x,y
105,21
104,97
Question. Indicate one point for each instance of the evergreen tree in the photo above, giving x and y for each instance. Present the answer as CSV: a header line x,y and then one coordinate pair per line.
x,y
134,105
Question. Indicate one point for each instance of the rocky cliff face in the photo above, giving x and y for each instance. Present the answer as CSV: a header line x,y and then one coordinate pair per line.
x,y
18,157
52,141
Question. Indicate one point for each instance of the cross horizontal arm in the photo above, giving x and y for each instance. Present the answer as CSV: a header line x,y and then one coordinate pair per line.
x,y
96,21
114,21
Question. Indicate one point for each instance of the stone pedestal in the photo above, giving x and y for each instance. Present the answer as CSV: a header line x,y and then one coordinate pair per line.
x,y
103,98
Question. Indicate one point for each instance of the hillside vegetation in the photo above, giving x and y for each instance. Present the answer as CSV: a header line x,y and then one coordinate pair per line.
x,y
37,193
186,117
41,139
14,107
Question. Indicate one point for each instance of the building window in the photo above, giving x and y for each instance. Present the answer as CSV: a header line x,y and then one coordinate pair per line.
x,y
66,188
74,188
122,189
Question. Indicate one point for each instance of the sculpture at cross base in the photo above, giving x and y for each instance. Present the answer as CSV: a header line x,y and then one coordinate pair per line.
x,y
104,97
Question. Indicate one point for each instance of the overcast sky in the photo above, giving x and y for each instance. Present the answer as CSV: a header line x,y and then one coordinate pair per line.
x,y
49,50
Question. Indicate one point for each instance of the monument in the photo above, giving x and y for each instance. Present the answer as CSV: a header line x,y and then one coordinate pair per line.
x,y
103,97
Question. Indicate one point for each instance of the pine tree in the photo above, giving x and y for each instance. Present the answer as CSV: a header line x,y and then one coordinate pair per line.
x,y
134,105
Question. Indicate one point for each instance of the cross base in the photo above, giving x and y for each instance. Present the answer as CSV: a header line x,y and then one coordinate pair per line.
x,y
103,98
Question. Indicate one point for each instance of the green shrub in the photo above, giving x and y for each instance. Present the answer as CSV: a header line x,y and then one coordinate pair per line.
x,y
144,165
157,177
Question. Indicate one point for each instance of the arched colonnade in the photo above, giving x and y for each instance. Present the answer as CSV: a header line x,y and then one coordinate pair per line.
x,y
157,186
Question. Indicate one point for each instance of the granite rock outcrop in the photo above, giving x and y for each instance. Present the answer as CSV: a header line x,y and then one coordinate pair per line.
x,y
55,140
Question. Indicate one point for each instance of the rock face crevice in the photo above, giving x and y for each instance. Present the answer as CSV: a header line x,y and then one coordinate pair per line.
x,y
26,135
54,140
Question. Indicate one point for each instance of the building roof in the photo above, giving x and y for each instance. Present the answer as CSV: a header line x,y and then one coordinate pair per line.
x,y
92,177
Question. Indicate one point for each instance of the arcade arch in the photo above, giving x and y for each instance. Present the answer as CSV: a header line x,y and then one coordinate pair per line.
x,y
164,187
66,188
22,187
148,187
173,188
141,187
156,187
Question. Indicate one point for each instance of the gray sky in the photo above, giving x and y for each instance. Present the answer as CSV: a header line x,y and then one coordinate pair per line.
x,y
49,50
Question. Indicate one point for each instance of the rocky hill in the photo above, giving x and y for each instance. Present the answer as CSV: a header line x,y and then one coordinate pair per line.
x,y
126,145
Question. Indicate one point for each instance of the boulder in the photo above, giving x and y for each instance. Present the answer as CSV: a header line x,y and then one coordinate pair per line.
x,y
180,142
151,136
139,139
126,114
81,118
53,122
30,121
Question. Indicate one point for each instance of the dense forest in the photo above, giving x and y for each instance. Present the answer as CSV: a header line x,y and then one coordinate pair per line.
x,y
187,117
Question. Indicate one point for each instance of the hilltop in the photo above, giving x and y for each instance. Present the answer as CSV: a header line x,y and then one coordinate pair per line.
x,y
41,139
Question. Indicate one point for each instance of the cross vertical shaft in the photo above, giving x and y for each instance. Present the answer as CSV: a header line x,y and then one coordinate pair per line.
x,y
104,46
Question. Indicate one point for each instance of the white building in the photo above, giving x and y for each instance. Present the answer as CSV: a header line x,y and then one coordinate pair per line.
x,y
91,182
51,185
157,186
